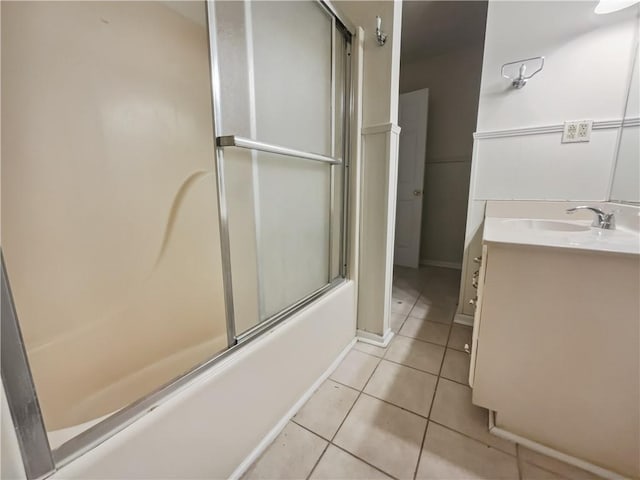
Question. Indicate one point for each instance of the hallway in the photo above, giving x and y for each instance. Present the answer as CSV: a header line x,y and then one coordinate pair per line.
x,y
404,411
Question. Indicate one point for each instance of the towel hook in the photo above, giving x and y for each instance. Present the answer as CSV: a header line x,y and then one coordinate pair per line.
x,y
380,36
522,79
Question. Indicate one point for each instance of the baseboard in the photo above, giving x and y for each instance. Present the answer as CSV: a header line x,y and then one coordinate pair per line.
x,y
550,452
278,427
375,339
437,263
463,319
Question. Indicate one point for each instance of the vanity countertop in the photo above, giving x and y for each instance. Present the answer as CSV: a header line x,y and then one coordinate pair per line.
x,y
573,234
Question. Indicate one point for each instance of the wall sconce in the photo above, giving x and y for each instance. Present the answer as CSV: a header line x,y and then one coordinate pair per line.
x,y
522,79
380,37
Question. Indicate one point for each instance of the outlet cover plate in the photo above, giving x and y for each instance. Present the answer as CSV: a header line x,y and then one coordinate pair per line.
x,y
577,131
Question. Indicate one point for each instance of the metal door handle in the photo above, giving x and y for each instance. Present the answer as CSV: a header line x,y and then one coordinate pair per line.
x,y
417,193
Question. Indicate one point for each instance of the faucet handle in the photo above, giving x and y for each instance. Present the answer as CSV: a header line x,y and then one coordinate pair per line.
x,y
602,219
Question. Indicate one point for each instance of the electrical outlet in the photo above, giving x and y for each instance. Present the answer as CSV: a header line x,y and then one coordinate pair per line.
x,y
577,131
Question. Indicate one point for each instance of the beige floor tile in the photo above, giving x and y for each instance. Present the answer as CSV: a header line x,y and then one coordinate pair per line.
x,y
324,411
337,464
401,306
441,288
556,466
396,321
452,407
529,471
460,335
446,277
383,435
450,455
456,366
291,455
403,386
416,354
438,294
355,369
370,349
440,313
424,330
405,292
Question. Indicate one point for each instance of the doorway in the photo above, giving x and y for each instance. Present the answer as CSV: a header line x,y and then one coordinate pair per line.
x,y
440,69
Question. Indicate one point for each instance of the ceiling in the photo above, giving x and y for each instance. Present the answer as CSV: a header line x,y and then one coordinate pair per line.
x,y
430,28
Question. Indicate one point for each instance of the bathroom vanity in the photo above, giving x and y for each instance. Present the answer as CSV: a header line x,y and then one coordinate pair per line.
x,y
555,351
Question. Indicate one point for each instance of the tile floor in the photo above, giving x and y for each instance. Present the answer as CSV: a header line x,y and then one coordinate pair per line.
x,y
404,411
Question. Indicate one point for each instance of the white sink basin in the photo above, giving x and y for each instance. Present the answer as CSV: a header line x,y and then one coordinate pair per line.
x,y
575,234
550,225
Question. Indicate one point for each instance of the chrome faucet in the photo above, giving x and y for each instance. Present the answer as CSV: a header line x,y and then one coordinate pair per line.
x,y
602,219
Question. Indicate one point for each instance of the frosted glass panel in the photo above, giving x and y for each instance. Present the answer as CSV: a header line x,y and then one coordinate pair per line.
x,y
292,74
293,229
109,204
282,71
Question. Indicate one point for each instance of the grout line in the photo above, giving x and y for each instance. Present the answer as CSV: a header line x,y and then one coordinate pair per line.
x,y
455,381
309,430
424,341
518,460
473,438
395,405
345,385
360,393
362,460
320,458
433,399
409,366
356,400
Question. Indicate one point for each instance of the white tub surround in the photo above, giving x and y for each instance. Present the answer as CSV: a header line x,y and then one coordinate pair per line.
x,y
216,423
555,349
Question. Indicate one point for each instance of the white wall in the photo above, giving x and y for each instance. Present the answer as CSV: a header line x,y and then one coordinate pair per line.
x,y
517,150
626,179
381,64
453,111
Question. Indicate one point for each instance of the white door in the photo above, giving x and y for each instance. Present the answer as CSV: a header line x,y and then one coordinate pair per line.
x,y
412,118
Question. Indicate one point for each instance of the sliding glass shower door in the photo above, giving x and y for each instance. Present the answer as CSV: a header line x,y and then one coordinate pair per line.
x,y
173,184
280,69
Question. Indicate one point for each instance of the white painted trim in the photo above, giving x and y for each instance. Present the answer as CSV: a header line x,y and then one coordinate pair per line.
x,y
554,128
463,319
631,122
439,160
278,427
381,128
437,263
550,452
375,339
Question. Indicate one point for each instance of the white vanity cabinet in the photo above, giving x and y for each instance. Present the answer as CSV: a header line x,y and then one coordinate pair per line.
x,y
555,350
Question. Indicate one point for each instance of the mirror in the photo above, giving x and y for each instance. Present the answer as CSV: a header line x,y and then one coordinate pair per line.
x,y
625,187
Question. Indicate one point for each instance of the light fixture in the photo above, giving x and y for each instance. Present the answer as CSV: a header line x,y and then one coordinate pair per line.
x,y
609,6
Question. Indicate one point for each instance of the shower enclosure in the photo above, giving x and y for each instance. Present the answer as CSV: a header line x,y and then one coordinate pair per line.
x,y
174,183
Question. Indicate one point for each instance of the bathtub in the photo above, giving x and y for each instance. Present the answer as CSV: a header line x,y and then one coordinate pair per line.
x,y
85,411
